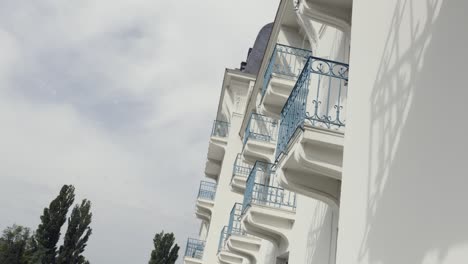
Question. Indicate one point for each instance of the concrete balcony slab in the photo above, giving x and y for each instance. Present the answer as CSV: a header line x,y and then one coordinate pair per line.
x,y
278,91
312,165
203,209
272,224
230,258
258,150
245,246
188,260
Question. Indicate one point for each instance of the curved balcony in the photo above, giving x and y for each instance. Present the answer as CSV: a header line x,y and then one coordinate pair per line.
x,y
234,240
194,251
205,200
285,66
224,255
268,210
216,149
246,246
309,152
260,138
240,172
229,258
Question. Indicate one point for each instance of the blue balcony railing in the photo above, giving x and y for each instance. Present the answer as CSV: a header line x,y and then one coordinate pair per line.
x,y
207,190
261,128
220,129
223,239
326,81
233,228
194,248
262,189
235,225
286,61
241,168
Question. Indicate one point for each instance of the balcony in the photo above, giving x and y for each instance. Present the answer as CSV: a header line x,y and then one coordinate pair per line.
x,y
238,240
224,255
222,239
309,150
268,210
205,200
216,149
240,172
286,64
260,138
194,251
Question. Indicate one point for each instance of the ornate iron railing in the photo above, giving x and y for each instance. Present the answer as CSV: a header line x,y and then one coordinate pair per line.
x,y
326,81
262,189
194,248
223,239
241,168
207,190
286,61
261,128
220,129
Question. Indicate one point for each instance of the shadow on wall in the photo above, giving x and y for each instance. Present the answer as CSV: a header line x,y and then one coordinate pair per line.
x,y
417,174
319,235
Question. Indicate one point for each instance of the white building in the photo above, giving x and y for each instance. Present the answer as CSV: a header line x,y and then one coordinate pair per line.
x,y
291,160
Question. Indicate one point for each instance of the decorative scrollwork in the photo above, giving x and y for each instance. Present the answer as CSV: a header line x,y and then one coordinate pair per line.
x,y
327,81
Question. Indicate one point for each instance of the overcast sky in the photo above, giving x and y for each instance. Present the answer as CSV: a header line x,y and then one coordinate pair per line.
x,y
116,97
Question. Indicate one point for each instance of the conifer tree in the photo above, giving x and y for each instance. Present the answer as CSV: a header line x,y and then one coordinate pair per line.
x,y
77,235
165,252
52,220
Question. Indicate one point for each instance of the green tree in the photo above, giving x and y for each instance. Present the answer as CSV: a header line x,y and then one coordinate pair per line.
x,y
165,252
77,235
18,246
52,220
15,245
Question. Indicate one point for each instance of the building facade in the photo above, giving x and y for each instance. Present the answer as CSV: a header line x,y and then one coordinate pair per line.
x,y
331,142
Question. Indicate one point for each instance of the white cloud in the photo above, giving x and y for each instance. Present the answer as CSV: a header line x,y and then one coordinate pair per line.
x,y
116,97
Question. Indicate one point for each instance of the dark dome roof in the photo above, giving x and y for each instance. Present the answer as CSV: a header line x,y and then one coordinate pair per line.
x,y
255,56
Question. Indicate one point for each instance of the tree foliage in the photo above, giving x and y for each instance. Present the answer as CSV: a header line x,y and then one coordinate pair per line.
x,y
77,235
52,220
165,252
16,245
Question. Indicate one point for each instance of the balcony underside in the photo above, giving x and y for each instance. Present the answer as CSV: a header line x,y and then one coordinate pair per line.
x,y
215,156
335,13
230,258
245,246
217,148
257,150
213,169
269,223
238,184
276,95
203,209
312,165
188,260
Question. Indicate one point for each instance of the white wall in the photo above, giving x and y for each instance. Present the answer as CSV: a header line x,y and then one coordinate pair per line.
x,y
405,176
203,233
332,44
314,234
225,198
233,104
268,252
292,37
